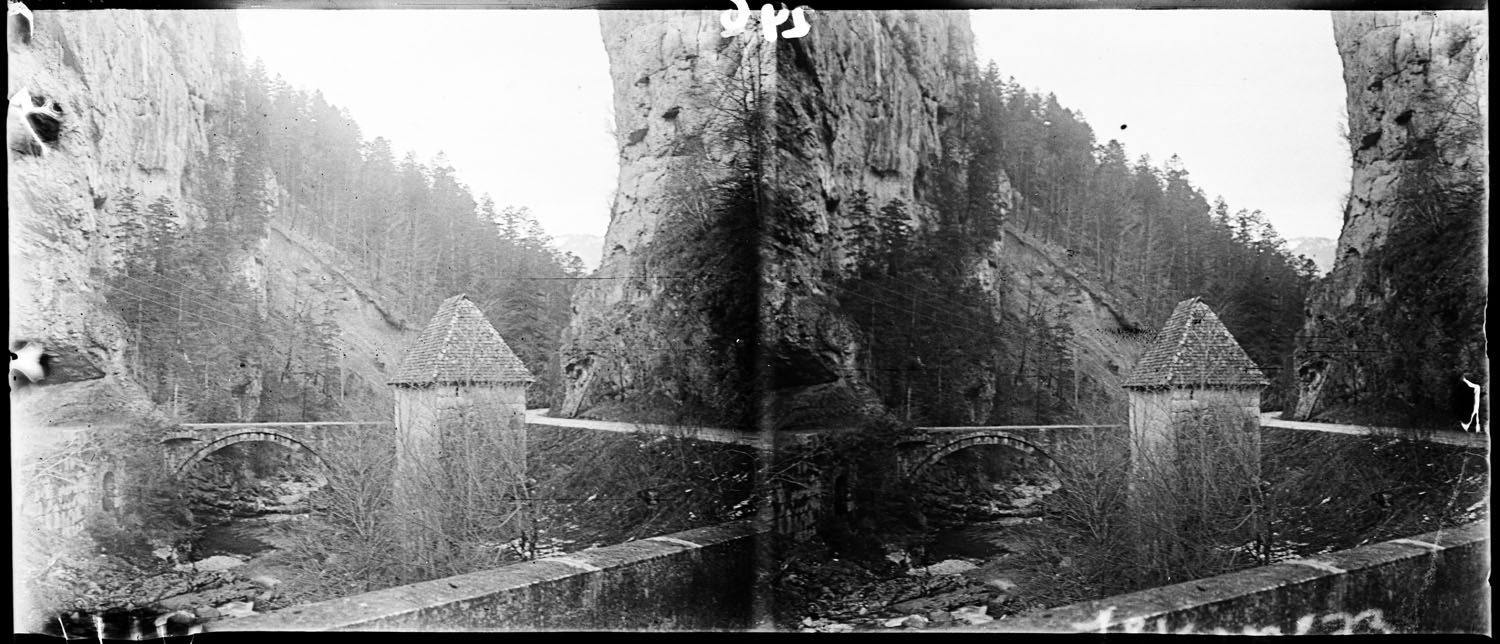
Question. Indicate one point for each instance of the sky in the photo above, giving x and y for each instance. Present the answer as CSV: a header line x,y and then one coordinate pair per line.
x,y
520,101
1252,101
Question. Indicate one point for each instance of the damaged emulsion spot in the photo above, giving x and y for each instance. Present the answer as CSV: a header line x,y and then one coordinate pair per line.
x,y
18,23
32,123
28,364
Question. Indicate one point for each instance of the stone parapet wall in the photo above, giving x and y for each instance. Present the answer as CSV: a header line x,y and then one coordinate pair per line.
x,y
1429,583
700,579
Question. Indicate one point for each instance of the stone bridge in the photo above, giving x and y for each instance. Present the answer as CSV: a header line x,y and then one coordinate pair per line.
x,y
925,446
192,443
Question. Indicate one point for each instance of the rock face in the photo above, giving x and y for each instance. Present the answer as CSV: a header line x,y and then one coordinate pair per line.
x,y
661,64
133,92
1398,321
862,103
136,94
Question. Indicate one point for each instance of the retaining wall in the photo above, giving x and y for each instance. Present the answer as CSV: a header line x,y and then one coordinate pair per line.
x,y
1430,583
701,579
58,482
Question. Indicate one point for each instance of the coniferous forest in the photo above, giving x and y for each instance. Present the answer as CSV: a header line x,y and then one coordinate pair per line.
x,y
882,339
283,158
1139,229
286,158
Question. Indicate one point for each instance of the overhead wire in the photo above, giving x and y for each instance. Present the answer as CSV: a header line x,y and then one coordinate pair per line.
x,y
182,310
181,286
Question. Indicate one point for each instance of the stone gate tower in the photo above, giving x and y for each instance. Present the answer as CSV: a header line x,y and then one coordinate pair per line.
x,y
1194,425
460,426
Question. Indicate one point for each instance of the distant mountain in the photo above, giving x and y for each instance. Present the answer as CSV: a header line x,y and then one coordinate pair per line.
x,y
1320,249
590,248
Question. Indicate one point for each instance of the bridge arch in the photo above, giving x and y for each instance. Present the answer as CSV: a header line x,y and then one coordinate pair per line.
x,y
261,435
943,450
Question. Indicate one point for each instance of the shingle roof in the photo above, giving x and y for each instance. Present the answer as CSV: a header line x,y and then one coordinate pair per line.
x,y
460,346
1194,349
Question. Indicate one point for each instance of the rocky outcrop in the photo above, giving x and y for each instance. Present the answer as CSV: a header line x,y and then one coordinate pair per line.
x,y
1398,323
132,93
136,95
862,103
660,63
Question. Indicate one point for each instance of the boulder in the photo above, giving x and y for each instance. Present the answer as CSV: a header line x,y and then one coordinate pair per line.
x,y
975,620
237,609
945,567
1001,584
218,562
915,621
206,613
265,581
972,615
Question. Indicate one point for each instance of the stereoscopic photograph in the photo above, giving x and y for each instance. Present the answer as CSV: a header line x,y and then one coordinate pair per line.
x,y
359,316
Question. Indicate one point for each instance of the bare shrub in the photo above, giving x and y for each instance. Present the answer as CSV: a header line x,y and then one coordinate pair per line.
x,y
459,482
1187,508
461,512
1197,512
351,546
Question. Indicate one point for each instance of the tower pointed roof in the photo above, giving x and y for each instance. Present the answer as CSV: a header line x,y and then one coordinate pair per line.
x,y
459,346
1193,349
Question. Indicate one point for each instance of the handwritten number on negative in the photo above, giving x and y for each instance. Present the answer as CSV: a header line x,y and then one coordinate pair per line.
x,y
737,19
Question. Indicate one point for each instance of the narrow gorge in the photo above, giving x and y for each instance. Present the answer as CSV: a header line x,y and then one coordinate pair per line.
x,y
863,349
859,115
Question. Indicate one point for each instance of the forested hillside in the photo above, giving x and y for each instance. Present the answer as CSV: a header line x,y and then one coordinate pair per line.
x,y
934,242
213,342
1018,160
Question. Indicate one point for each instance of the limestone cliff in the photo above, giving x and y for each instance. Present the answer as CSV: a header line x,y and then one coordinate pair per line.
x,y
132,92
135,95
616,345
1398,323
862,103
866,103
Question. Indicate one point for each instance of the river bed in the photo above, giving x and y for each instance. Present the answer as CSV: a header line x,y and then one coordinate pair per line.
x,y
977,563
233,568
